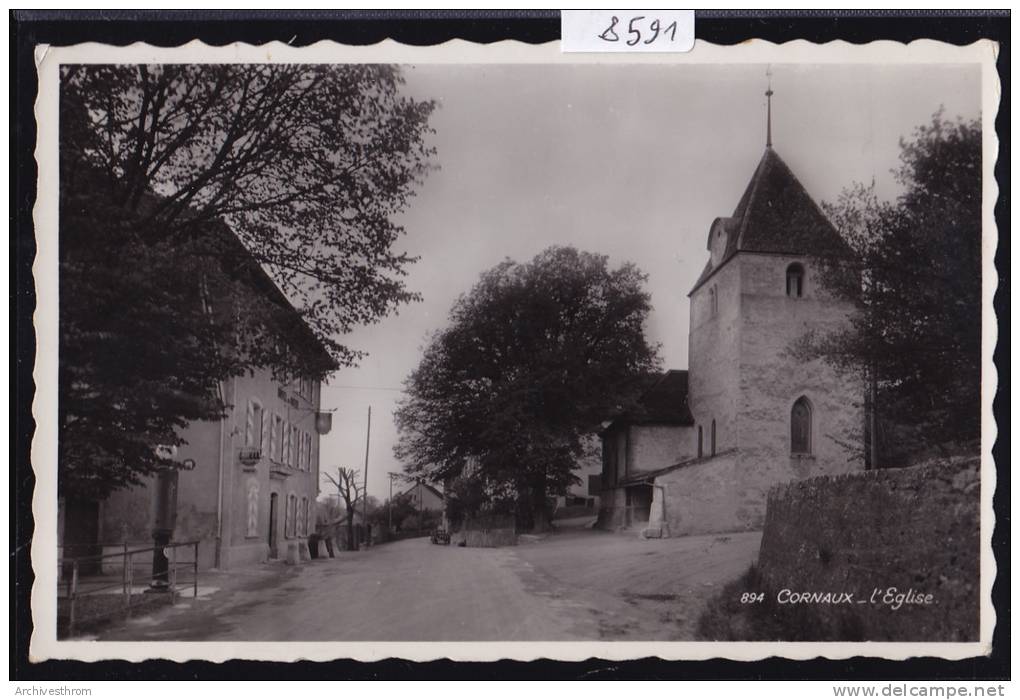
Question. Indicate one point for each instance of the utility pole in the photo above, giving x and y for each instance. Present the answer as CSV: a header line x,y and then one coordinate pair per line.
x,y
420,508
389,532
364,503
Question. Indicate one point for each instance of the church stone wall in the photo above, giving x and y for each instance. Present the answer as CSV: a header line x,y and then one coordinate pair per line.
x,y
652,447
714,358
701,497
771,379
744,376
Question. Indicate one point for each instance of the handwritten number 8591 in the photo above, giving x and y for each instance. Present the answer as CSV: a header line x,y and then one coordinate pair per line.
x,y
634,32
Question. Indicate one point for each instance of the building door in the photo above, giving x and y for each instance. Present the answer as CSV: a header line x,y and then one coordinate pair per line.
x,y
639,504
273,532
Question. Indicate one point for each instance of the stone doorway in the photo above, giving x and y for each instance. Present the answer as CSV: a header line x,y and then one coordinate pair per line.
x,y
274,533
639,504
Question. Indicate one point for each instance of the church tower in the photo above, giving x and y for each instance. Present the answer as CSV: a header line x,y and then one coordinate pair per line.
x,y
767,416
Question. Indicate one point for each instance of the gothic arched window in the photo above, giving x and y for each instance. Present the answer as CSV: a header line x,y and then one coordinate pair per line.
x,y
713,436
800,427
795,280
701,442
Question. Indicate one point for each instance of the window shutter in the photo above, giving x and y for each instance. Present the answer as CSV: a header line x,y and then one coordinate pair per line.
x,y
272,436
249,424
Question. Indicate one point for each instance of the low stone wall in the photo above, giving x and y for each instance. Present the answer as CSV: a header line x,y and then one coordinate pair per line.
x,y
915,530
499,537
492,530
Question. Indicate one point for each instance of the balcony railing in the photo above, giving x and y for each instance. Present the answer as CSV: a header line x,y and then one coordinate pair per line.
x,y
249,456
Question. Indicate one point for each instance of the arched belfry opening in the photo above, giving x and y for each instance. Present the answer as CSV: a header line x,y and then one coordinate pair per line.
x,y
795,280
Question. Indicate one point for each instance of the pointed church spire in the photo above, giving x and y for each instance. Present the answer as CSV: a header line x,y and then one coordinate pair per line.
x,y
768,96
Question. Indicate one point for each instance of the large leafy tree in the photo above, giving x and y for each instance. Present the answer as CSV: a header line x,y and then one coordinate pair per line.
x,y
535,355
915,277
215,219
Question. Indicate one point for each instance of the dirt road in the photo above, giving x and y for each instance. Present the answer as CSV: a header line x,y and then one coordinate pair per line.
x,y
640,590
575,584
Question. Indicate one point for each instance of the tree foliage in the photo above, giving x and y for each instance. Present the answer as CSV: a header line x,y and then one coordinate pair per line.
x,y
405,516
915,277
534,357
215,219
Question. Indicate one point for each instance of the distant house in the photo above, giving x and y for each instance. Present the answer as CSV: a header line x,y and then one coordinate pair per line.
x,y
657,430
255,475
424,497
589,474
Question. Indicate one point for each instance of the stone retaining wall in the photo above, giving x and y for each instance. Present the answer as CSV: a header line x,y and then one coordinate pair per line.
x,y
915,530
500,537
492,530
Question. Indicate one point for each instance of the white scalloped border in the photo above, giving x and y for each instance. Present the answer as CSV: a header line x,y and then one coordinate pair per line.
x,y
44,545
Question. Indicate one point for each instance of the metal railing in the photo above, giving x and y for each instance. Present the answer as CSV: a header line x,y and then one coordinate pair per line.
x,y
91,596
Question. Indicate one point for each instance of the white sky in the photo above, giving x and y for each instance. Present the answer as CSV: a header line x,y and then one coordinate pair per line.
x,y
633,161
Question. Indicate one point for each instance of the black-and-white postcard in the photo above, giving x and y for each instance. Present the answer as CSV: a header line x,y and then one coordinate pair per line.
x,y
495,351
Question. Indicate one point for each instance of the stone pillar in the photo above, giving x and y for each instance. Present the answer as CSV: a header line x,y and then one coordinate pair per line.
x,y
657,525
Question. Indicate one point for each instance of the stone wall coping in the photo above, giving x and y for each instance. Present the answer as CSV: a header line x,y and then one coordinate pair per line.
x,y
644,477
931,467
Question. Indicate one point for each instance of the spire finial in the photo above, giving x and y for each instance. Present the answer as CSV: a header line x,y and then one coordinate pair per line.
x,y
768,96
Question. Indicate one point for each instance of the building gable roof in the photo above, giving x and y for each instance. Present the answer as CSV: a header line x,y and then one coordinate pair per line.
x,y
665,402
292,323
776,215
410,490
224,242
